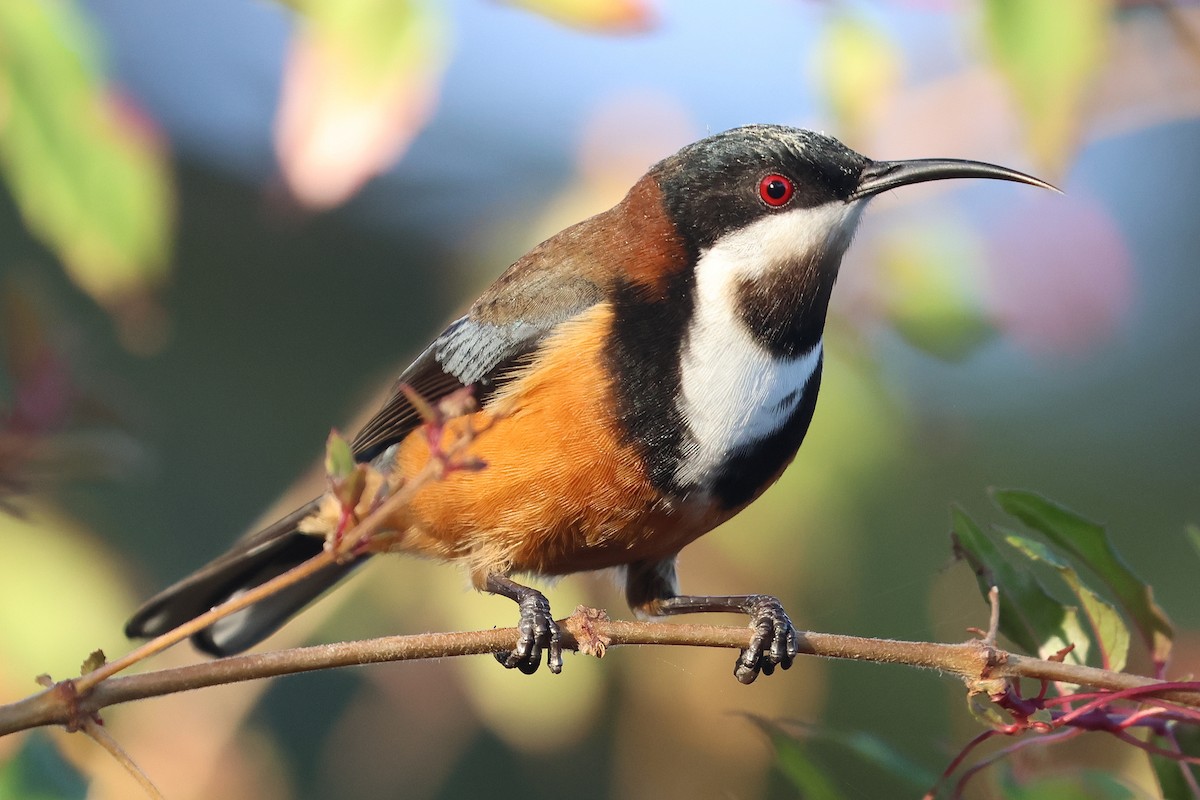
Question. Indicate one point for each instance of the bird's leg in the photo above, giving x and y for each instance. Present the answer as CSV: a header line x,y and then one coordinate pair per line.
x,y
774,643
537,630
651,588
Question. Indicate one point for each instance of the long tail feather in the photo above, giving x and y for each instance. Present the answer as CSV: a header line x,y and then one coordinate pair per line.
x,y
251,562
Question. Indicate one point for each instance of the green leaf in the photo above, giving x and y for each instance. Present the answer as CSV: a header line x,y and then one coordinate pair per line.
x,y
1193,534
793,760
1029,616
347,478
339,458
1170,773
86,170
39,772
1089,543
94,661
1108,629
858,65
380,38
1081,784
860,744
876,751
1048,52
793,742
931,283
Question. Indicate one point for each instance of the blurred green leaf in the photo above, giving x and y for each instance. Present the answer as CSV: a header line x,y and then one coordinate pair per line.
x,y
1089,543
347,477
793,740
1081,784
46,629
1109,631
377,37
796,764
809,779
361,79
874,750
608,16
1171,774
858,64
1193,534
1029,616
931,288
86,170
39,772
339,457
1048,51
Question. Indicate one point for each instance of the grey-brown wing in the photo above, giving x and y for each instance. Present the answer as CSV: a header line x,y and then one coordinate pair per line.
x,y
468,353
552,283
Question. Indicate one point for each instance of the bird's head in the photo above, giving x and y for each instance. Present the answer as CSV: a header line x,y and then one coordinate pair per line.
x,y
764,213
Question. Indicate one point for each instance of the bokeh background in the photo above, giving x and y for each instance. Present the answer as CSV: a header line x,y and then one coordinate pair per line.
x,y
229,223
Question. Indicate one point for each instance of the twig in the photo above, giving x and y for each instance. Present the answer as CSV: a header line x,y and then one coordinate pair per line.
x,y
345,549
1189,777
975,769
91,680
1153,749
102,737
587,631
994,618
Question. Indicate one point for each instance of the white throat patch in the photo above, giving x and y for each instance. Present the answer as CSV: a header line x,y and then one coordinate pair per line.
x,y
734,392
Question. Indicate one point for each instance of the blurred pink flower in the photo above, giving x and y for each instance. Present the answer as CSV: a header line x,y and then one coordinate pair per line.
x,y
345,117
1060,277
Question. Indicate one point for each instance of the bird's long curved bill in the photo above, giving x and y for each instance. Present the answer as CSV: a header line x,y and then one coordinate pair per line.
x,y
880,176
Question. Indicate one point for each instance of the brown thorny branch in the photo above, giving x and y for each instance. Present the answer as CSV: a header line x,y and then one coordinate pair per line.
x,y
361,527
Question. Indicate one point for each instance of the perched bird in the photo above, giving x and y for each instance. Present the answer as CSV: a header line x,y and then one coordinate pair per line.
x,y
642,377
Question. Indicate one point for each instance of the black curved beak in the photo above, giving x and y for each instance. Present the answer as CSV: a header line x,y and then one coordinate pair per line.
x,y
880,176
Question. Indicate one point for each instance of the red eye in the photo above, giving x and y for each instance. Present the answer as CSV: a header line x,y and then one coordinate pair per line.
x,y
775,190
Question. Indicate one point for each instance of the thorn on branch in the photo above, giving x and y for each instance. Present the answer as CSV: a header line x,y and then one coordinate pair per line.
x,y
988,637
990,656
994,620
1061,655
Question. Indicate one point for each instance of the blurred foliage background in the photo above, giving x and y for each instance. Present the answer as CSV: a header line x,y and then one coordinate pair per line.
x,y
227,223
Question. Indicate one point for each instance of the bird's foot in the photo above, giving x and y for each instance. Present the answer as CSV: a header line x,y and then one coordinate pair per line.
x,y
774,643
536,633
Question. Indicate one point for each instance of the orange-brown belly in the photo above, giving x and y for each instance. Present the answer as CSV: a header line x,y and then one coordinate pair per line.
x,y
561,492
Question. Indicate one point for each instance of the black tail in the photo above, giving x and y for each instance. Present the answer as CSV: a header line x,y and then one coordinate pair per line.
x,y
253,560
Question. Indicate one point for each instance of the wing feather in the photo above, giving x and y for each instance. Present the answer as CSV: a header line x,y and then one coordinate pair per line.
x,y
468,353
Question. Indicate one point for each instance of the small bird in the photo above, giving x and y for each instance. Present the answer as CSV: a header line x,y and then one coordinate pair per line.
x,y
642,377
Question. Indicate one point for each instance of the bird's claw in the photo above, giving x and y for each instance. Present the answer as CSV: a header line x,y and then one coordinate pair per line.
x,y
774,643
537,632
